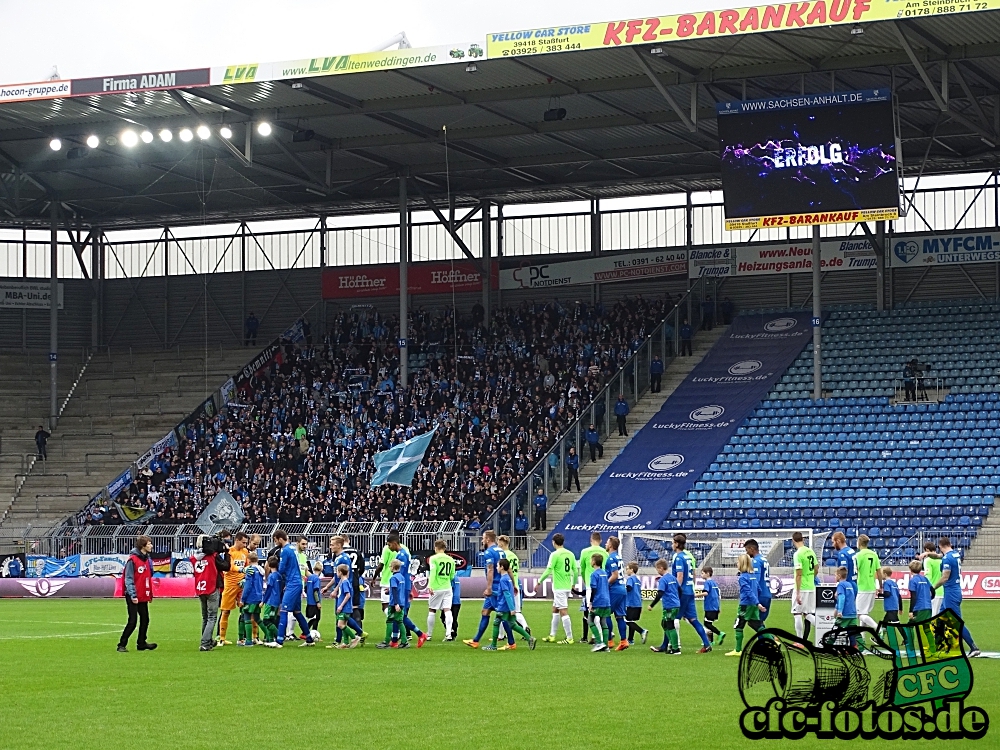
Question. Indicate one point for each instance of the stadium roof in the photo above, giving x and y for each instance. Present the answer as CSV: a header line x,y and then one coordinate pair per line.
x,y
639,119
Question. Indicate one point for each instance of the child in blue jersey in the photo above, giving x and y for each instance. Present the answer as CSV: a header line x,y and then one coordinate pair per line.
x,y
920,593
395,633
347,636
711,606
252,598
667,592
847,610
600,604
891,599
271,605
749,609
314,597
506,605
456,605
403,555
920,599
633,603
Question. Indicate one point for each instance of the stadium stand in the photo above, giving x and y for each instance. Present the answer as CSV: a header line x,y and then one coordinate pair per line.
x,y
504,399
857,461
123,401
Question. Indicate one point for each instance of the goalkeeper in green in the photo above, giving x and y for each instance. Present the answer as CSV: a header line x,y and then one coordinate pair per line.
x,y
564,571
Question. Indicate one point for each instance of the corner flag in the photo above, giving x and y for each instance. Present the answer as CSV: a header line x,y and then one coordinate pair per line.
x,y
398,464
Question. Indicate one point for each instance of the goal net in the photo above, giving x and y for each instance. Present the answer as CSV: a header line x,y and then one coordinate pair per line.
x,y
720,550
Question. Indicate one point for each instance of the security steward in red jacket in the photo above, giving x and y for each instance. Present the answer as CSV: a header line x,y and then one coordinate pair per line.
x,y
137,588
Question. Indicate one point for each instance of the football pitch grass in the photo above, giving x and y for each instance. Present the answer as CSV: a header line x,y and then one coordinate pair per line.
x,y
63,685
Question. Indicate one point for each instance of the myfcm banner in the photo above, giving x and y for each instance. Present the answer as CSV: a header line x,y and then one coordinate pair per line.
x,y
664,459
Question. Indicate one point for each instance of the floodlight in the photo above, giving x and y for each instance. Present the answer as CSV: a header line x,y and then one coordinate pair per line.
x,y
129,138
146,136
204,133
93,141
264,128
225,132
186,134
166,136
55,144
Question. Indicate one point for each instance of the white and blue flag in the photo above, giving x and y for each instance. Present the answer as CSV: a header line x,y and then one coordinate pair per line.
x,y
398,464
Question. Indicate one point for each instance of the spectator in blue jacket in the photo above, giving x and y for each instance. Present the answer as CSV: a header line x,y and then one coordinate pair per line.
x,y
655,374
520,527
621,411
685,339
14,569
594,442
540,502
553,460
572,469
707,314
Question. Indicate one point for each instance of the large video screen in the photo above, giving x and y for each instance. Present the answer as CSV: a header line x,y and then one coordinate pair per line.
x,y
809,159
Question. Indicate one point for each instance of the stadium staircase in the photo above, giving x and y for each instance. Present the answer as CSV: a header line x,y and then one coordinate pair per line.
x,y
124,402
642,412
858,461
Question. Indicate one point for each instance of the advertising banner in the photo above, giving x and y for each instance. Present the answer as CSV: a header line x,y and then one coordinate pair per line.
x,y
422,278
968,246
163,588
679,443
842,254
808,159
32,92
310,67
714,23
167,441
120,483
102,565
57,588
27,295
42,566
605,269
976,584
158,81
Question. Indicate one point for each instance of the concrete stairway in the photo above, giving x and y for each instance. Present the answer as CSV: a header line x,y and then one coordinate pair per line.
x,y
641,413
125,401
984,552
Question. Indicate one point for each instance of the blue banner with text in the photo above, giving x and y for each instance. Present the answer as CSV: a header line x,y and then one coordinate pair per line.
x,y
666,457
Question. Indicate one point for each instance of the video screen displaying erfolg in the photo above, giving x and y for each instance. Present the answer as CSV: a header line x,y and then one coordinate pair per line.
x,y
810,159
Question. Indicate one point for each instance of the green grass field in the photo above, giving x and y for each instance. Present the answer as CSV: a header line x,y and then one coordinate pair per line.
x,y
63,685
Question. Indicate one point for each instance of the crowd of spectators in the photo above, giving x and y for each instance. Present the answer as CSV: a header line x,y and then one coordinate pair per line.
x,y
297,445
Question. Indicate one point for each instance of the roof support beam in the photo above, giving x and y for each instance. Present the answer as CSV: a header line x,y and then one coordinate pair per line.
x,y
935,94
450,229
681,114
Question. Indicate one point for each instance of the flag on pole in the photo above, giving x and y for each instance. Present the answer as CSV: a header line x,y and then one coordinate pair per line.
x,y
398,464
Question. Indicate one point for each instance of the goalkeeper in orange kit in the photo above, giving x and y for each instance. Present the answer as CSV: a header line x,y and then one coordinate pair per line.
x,y
232,593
